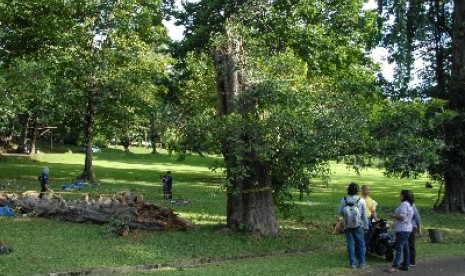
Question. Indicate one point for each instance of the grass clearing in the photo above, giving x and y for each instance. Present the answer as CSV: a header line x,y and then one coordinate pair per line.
x,y
45,245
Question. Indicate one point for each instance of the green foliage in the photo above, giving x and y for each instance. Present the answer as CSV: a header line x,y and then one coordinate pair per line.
x,y
405,136
31,89
193,117
112,53
312,87
413,31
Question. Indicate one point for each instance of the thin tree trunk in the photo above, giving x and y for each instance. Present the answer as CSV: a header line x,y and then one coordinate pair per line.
x,y
89,136
454,197
25,131
250,203
34,138
126,142
154,135
440,29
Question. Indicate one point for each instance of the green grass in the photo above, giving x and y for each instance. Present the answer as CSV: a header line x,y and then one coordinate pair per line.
x,y
44,245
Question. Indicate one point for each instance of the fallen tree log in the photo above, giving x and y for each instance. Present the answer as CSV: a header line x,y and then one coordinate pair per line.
x,y
127,206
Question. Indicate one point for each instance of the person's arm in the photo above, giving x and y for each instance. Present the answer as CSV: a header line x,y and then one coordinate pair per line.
x,y
341,207
364,215
374,212
417,219
401,213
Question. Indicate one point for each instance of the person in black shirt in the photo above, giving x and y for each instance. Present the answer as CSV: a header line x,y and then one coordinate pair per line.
x,y
167,185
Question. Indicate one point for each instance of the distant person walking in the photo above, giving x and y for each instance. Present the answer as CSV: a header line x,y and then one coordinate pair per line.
x,y
353,210
403,228
44,179
167,185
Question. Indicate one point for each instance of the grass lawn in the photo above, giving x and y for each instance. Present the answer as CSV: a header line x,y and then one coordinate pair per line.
x,y
49,246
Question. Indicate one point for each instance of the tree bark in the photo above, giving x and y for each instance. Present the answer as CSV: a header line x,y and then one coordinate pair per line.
x,y
32,151
88,173
454,197
250,204
155,130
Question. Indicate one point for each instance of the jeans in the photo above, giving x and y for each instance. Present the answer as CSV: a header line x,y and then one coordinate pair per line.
x,y
411,246
356,246
368,236
168,191
42,191
402,250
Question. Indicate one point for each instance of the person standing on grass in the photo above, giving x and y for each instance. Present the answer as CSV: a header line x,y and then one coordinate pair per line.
x,y
44,179
168,185
403,227
416,228
371,206
353,210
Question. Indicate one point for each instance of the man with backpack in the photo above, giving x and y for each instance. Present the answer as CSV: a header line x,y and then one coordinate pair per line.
x,y
353,211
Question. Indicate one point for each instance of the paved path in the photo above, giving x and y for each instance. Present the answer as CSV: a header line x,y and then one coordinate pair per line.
x,y
447,267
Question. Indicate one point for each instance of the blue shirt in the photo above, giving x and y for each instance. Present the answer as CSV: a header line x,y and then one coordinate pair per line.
x,y
416,220
44,179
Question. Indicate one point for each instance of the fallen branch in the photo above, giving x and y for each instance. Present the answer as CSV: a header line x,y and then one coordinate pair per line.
x,y
127,205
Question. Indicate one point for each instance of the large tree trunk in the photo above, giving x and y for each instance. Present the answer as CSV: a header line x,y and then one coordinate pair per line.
x,y
250,203
89,136
458,54
454,197
32,151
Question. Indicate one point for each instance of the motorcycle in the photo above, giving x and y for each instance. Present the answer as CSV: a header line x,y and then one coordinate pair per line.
x,y
382,242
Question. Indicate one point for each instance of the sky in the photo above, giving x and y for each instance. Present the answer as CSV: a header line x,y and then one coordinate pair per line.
x,y
379,54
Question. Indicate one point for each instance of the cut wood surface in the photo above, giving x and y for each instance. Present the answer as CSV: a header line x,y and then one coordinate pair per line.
x,y
126,205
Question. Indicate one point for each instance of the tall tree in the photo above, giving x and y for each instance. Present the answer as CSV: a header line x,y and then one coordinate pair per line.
x,y
30,32
280,118
454,154
434,29
31,87
106,37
